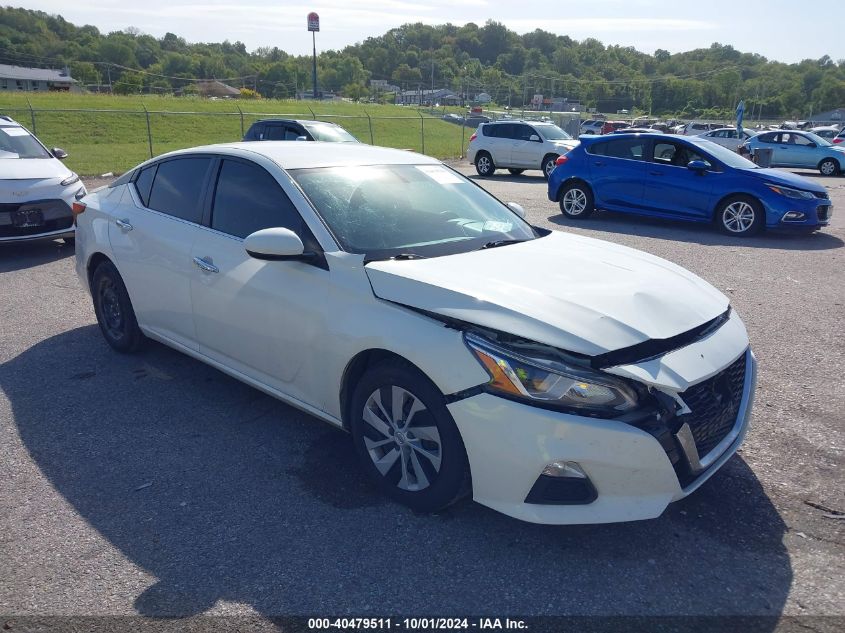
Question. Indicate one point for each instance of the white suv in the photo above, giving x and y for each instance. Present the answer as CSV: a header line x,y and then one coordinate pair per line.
x,y
517,146
36,190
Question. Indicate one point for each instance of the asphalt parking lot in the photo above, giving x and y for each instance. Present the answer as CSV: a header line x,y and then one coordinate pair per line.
x,y
155,485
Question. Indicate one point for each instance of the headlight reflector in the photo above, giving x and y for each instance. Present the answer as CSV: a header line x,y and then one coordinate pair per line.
x,y
795,194
74,177
549,381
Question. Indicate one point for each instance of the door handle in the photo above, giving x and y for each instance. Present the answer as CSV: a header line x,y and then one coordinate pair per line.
x,y
598,163
204,265
124,225
656,173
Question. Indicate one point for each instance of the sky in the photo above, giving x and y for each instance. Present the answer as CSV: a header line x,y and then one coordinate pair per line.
x,y
773,28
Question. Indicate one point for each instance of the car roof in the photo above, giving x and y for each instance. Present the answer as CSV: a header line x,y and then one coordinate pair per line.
x,y
293,155
300,121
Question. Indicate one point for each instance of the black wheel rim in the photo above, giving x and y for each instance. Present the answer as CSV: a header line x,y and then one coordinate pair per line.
x,y
110,311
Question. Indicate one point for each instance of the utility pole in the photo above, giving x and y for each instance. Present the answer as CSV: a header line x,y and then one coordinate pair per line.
x,y
314,26
432,73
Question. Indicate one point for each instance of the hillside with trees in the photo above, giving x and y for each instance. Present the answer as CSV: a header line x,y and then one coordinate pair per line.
x,y
468,59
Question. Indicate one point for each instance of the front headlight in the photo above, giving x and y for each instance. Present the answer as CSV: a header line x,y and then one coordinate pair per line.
x,y
70,179
549,381
795,194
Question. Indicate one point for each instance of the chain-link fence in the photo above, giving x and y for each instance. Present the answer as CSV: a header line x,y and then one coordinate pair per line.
x,y
114,140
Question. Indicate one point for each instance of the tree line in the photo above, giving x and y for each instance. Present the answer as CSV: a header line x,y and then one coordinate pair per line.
x,y
467,59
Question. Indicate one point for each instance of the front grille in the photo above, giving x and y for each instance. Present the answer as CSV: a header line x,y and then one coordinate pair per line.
x,y
823,211
714,406
7,230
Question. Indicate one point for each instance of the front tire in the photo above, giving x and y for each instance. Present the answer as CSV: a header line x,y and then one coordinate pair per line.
x,y
741,216
406,439
828,167
484,164
576,201
548,165
114,311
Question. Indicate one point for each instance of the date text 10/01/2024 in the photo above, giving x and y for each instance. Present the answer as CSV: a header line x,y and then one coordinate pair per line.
x,y
416,623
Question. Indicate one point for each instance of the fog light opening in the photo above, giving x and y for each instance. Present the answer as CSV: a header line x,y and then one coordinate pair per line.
x,y
793,216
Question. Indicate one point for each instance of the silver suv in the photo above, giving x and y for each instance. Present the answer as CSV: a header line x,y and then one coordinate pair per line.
x,y
517,146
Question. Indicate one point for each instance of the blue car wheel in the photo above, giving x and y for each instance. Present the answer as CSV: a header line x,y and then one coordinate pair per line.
x,y
740,215
576,200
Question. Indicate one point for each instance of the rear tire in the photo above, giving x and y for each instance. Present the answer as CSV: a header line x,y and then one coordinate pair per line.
x,y
114,311
484,164
414,455
576,200
741,216
829,167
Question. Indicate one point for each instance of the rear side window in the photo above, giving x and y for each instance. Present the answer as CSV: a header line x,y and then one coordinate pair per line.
x,y
766,138
503,130
144,184
248,199
178,186
628,148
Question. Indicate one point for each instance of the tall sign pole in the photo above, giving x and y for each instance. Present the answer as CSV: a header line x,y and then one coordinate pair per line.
x,y
314,26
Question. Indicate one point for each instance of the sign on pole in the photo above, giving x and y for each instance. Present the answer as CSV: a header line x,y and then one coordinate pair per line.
x,y
313,22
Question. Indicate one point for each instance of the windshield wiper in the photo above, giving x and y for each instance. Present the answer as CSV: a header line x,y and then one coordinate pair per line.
x,y
399,257
408,256
496,243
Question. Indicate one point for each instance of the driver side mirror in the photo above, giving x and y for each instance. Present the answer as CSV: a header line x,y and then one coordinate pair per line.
x,y
59,153
516,208
276,244
534,138
812,144
699,166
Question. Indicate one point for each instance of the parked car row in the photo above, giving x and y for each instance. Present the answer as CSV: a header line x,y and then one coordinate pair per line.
x,y
36,190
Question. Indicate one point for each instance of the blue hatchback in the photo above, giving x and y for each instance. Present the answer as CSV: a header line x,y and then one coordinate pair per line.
x,y
684,179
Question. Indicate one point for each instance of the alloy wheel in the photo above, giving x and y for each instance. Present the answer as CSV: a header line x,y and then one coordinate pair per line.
x,y
574,201
828,168
401,438
484,165
738,217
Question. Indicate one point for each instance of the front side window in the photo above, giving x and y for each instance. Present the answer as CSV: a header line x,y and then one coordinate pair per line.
x,y
426,210
248,199
522,132
17,142
178,186
274,133
676,154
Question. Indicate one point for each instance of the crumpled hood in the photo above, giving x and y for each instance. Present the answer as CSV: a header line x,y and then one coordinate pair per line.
x,y
32,168
571,292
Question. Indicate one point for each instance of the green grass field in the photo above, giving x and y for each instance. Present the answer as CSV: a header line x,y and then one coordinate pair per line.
x,y
116,139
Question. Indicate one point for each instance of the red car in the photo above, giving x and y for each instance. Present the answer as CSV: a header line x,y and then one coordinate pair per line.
x,y
840,138
612,126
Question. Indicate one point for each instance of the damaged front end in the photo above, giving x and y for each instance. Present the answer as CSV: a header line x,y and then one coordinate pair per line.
x,y
697,427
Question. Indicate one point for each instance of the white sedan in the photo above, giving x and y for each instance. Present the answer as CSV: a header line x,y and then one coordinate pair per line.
x,y
555,378
727,137
36,190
